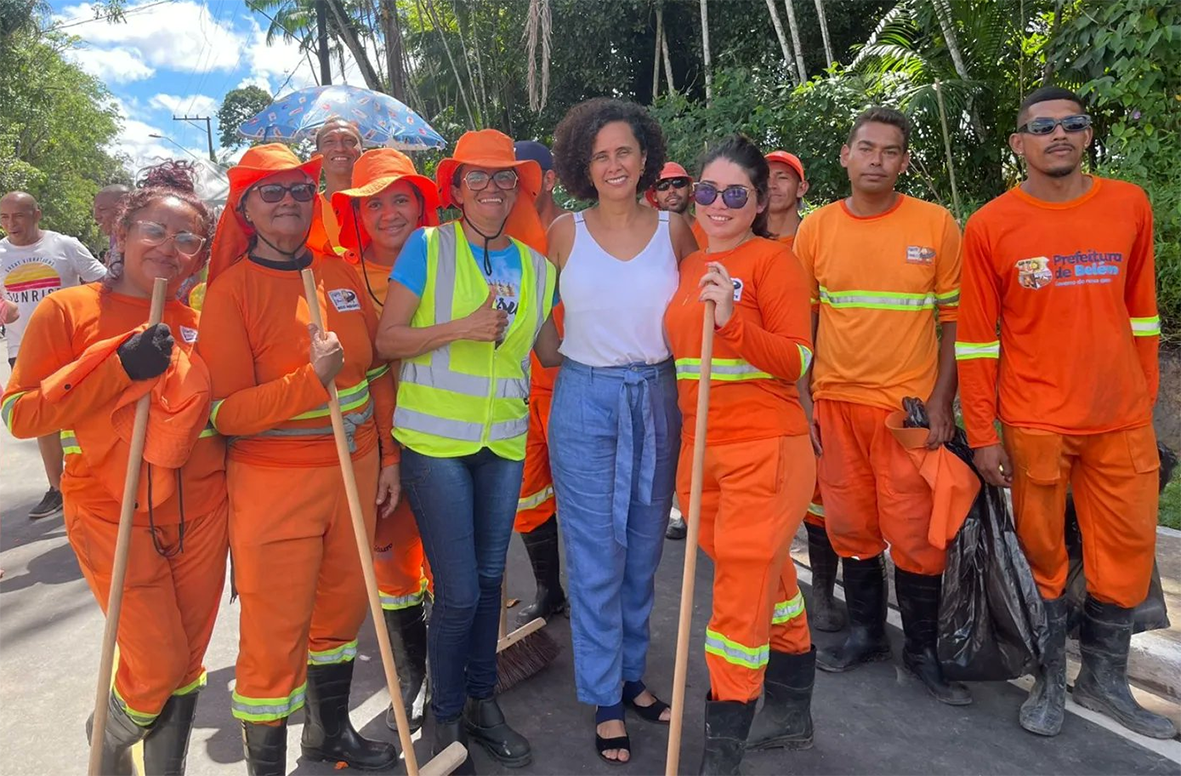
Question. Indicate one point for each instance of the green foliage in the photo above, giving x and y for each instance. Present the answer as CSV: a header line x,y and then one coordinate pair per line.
x,y
1170,503
238,106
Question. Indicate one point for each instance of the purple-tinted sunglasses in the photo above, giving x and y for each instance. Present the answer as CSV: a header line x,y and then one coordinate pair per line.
x,y
734,197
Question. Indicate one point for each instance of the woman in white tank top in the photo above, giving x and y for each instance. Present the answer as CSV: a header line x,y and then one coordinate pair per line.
x,y
614,425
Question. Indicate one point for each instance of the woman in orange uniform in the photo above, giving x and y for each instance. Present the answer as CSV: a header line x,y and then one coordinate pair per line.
x,y
759,468
388,201
296,566
92,359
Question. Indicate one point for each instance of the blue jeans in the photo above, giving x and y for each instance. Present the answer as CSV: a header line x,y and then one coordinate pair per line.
x,y
465,509
614,438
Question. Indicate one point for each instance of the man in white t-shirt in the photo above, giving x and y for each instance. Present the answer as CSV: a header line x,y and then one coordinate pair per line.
x,y
35,262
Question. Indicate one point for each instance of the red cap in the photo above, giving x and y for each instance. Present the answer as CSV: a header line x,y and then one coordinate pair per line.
x,y
791,160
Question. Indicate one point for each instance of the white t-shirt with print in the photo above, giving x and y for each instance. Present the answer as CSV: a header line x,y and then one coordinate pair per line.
x,y
29,273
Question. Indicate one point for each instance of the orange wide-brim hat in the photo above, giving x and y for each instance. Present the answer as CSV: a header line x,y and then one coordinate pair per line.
x,y
232,238
494,150
669,170
373,173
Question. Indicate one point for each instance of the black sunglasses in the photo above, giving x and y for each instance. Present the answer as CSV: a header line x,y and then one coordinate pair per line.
x,y
673,183
275,192
734,197
1046,126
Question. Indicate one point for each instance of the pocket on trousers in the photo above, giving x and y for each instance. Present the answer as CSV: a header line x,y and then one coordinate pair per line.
x,y
1040,456
1142,449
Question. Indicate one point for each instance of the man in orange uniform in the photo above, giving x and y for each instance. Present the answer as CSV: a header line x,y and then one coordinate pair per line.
x,y
387,202
338,143
786,189
880,264
1065,263
536,520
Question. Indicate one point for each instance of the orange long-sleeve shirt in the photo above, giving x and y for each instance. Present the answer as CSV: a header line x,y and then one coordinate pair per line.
x,y
758,355
876,283
69,378
1073,287
254,336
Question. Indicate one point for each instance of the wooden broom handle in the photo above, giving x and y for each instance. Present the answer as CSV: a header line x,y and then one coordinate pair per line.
x,y
106,664
693,520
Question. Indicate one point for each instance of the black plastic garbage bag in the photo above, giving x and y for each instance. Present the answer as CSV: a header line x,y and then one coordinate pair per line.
x,y
991,618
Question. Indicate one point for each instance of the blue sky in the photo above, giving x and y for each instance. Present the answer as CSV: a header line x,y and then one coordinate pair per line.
x,y
179,56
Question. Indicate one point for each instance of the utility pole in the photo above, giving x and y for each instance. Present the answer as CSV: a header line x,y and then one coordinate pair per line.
x,y
208,131
322,42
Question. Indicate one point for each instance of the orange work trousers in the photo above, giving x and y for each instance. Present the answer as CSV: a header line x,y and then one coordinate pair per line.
x,y
298,576
1115,483
815,514
169,603
403,577
873,493
536,504
753,498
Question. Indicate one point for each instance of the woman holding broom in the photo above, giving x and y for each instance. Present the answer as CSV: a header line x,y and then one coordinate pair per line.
x,y
387,202
296,566
759,467
88,360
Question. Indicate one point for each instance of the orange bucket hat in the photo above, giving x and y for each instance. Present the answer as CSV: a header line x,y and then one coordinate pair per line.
x,y
373,173
232,238
494,150
669,170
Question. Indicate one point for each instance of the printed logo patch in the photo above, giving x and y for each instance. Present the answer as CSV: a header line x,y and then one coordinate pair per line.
x,y
1034,273
188,335
917,254
344,300
738,286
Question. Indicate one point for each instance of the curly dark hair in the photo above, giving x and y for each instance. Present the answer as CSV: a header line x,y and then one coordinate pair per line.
x,y
742,151
574,139
176,179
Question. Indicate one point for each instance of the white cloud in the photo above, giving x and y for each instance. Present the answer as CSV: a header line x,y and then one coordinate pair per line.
x,y
199,104
281,64
116,65
137,142
259,80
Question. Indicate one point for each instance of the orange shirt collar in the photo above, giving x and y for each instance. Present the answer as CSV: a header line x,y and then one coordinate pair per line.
x,y
1020,193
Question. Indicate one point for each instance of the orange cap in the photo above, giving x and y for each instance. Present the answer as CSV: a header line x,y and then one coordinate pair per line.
x,y
232,238
669,170
373,173
493,150
791,160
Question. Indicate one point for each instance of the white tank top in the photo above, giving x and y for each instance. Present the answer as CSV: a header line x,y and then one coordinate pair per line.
x,y
615,309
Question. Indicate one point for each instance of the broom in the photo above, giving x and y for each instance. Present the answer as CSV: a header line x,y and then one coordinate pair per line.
x,y
106,665
454,755
520,655
693,519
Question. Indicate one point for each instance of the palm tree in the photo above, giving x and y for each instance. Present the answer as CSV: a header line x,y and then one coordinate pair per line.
x,y
795,39
828,58
778,25
709,79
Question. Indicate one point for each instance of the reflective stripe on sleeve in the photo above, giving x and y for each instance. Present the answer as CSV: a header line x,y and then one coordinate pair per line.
x,y
966,351
70,444
6,408
1146,327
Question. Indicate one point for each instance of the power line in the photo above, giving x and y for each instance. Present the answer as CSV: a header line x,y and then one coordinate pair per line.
x,y
111,17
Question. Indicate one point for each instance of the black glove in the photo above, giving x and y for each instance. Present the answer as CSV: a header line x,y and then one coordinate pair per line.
x,y
147,354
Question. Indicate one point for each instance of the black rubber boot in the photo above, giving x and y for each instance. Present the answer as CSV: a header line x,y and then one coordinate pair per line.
x,y
727,724
1045,708
865,594
447,733
824,613
167,745
120,735
486,726
328,732
265,747
542,546
407,629
1102,684
918,600
785,721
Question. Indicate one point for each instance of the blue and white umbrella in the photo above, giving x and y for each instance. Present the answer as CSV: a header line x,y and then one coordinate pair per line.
x,y
383,120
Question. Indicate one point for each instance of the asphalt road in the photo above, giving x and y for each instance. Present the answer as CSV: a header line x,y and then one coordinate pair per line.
x,y
870,721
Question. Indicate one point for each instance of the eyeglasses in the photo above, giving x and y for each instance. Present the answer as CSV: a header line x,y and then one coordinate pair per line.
x,y
478,180
674,183
734,197
154,234
1046,126
275,192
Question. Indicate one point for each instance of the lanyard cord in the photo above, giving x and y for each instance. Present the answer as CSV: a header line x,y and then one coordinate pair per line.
x,y
487,239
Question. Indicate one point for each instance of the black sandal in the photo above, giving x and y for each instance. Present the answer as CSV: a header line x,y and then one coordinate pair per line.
x,y
608,714
651,712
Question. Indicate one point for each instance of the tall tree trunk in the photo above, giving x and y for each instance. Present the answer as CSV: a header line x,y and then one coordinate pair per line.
x,y
368,72
778,25
709,78
538,31
656,52
668,62
430,7
828,58
943,11
394,57
482,103
795,39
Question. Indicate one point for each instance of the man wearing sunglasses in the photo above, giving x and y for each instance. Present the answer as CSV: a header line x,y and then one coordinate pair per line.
x,y
1064,262
35,262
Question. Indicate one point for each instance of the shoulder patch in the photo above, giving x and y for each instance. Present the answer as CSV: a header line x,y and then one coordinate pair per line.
x,y
188,335
344,300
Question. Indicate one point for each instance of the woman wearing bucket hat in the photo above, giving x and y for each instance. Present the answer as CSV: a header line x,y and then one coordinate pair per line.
x,y
87,360
295,558
468,301
614,426
388,201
